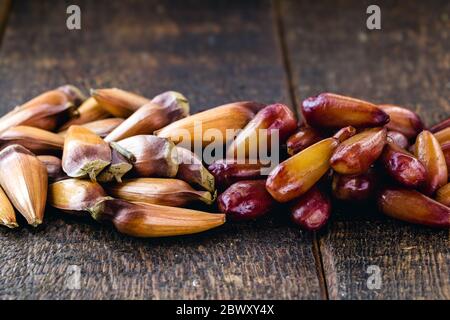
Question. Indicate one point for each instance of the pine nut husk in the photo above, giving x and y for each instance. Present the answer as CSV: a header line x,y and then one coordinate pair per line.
x,y
273,118
24,179
7,214
119,103
89,111
161,111
36,140
75,195
73,93
46,111
165,192
151,220
191,170
154,156
100,127
85,153
230,116
121,163
54,167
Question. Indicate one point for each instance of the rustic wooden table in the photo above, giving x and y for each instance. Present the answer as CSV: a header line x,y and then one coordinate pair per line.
x,y
215,52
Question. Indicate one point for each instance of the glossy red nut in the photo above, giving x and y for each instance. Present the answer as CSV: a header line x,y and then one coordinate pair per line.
x,y
403,120
329,110
229,171
444,124
402,166
246,200
412,206
356,154
312,210
302,139
354,187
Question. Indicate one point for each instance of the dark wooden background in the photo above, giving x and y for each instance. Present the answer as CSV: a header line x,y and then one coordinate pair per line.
x,y
215,52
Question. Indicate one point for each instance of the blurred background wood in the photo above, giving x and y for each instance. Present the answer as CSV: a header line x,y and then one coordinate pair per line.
x,y
215,52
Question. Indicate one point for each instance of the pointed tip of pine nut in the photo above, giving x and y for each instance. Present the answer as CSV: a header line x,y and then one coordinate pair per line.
x,y
35,223
11,225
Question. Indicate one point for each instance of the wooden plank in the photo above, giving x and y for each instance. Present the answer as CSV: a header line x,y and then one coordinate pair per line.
x,y
407,62
214,52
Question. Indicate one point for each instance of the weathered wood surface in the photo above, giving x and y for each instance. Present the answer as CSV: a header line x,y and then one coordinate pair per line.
x,y
406,63
214,52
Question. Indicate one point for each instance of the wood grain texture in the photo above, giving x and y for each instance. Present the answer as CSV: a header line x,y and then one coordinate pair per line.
x,y
407,63
213,52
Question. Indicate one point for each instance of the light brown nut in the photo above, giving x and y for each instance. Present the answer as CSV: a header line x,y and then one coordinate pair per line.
x,y
75,195
36,140
218,120
161,111
7,214
100,127
47,111
275,118
154,156
443,195
89,111
429,152
356,154
54,167
151,220
414,207
24,179
119,103
443,135
165,192
85,154
296,175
